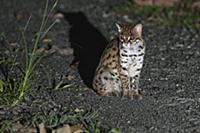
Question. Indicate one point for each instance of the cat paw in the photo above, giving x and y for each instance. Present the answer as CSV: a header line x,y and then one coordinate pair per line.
x,y
110,93
125,93
135,96
132,94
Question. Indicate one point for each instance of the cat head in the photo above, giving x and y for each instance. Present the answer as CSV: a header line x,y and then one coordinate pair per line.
x,y
129,34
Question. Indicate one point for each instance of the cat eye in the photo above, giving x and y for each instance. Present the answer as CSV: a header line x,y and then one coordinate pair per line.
x,y
121,40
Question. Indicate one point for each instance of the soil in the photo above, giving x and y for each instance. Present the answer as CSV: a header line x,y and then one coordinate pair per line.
x,y
169,82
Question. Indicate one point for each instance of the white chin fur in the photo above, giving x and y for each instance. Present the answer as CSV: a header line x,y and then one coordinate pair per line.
x,y
131,46
126,45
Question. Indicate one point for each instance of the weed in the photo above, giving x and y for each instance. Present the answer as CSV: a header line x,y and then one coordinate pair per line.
x,y
8,93
14,90
58,85
33,59
114,130
54,120
88,120
8,65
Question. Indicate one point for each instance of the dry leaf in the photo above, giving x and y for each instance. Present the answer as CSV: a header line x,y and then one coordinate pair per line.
x,y
46,40
70,77
166,3
65,51
75,65
52,50
196,5
41,128
13,45
76,128
61,51
19,15
55,49
198,24
143,2
77,110
161,3
40,51
65,129
59,15
68,129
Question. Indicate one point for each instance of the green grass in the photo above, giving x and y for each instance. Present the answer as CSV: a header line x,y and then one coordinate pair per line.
x,y
13,90
59,85
181,15
5,126
8,63
33,59
54,120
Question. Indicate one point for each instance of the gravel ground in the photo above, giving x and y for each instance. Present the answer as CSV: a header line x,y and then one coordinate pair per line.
x,y
169,83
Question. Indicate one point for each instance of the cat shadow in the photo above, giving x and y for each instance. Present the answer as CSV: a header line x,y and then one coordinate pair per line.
x,y
88,44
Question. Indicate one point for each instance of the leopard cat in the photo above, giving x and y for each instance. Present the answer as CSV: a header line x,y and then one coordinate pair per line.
x,y
118,71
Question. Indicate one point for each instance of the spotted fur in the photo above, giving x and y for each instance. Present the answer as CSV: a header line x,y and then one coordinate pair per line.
x,y
121,63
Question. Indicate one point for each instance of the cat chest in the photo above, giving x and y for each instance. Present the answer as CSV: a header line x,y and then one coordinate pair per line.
x,y
131,62
131,57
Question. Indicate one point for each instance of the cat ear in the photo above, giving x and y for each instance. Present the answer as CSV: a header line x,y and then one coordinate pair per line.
x,y
119,28
138,29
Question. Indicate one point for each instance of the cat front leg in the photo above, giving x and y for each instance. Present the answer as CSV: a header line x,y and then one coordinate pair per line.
x,y
125,86
134,91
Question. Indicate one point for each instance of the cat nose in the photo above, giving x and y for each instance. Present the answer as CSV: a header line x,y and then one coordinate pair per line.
x,y
126,41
